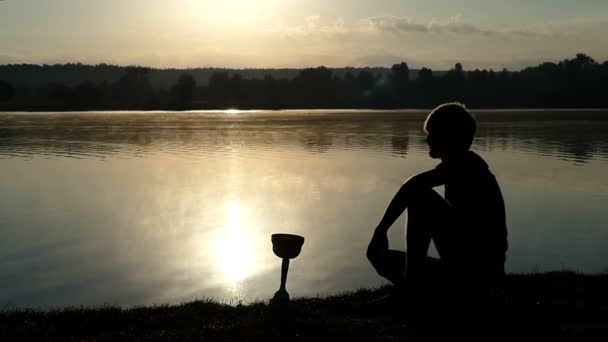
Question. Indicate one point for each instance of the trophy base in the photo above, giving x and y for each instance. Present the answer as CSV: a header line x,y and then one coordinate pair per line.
x,y
280,297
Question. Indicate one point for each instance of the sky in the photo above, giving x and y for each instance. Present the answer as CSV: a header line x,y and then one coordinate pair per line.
x,y
303,33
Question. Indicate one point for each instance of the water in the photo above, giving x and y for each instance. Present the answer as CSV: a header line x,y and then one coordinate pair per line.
x,y
157,207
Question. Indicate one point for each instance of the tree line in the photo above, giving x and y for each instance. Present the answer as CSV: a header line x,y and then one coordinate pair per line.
x,y
571,83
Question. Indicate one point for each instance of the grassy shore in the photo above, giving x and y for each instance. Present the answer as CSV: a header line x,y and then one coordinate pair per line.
x,y
555,306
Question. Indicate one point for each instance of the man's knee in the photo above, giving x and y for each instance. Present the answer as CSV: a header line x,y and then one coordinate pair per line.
x,y
427,198
428,205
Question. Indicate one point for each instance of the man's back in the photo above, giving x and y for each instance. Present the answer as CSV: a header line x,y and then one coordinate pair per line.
x,y
478,233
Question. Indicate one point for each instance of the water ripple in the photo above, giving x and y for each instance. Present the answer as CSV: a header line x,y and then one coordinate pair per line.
x,y
214,135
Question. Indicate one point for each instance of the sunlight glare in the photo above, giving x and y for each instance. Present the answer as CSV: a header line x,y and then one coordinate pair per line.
x,y
233,247
234,15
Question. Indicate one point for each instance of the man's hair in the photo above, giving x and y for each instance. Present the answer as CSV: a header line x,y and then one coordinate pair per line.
x,y
454,123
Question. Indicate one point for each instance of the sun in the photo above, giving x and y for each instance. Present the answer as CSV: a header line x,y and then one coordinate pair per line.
x,y
234,14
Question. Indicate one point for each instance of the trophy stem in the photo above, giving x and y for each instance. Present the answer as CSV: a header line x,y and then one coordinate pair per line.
x,y
284,270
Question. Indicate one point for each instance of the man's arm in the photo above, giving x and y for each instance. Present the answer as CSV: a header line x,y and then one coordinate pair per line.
x,y
398,205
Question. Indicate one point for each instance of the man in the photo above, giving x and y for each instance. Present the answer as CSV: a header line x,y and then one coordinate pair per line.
x,y
468,227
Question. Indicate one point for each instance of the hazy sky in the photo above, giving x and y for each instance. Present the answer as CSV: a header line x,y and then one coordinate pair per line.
x,y
298,33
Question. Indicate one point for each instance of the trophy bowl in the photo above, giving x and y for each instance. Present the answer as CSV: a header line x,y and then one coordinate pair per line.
x,y
287,246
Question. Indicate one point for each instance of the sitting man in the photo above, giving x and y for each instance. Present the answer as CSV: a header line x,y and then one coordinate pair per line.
x,y
468,227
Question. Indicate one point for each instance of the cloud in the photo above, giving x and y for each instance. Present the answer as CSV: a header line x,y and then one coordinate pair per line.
x,y
453,25
395,24
312,27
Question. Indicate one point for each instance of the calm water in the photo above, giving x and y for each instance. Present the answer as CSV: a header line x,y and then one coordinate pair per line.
x,y
140,208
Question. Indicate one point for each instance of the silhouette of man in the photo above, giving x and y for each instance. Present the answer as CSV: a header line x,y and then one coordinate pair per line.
x,y
468,227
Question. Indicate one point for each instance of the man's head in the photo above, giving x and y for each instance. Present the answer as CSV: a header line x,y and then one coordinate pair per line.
x,y
450,129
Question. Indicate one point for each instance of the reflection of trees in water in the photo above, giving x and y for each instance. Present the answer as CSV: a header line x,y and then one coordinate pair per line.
x,y
400,140
141,134
315,139
578,141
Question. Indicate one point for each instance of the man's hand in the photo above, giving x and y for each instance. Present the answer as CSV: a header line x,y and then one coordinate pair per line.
x,y
379,243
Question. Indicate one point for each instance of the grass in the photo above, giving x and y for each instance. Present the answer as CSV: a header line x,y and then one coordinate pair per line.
x,y
555,306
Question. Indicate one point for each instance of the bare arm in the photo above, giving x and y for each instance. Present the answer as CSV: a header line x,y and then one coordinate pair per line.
x,y
398,205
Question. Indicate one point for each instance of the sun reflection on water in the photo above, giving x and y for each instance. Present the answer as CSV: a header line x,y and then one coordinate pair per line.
x,y
233,247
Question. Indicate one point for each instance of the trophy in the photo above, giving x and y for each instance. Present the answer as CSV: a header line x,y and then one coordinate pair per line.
x,y
285,246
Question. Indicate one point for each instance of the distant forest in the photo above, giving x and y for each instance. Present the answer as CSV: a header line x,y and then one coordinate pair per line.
x,y
572,83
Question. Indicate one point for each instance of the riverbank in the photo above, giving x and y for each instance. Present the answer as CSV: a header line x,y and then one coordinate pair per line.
x,y
562,306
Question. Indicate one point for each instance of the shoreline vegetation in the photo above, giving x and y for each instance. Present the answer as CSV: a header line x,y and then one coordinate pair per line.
x,y
572,83
552,306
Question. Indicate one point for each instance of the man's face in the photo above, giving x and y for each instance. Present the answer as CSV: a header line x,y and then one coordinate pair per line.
x,y
436,146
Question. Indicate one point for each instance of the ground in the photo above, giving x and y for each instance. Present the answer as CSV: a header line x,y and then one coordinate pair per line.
x,y
555,306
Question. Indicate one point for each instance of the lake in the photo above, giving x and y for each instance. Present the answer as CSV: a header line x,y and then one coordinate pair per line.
x,y
136,208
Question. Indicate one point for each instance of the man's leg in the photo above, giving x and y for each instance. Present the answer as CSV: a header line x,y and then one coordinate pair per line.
x,y
427,217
